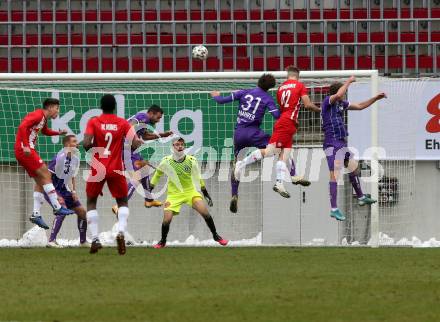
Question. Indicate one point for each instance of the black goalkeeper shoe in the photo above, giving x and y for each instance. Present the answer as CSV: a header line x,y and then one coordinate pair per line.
x,y
233,206
95,246
120,240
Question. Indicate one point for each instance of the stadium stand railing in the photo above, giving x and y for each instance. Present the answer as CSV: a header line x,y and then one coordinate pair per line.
x,y
398,37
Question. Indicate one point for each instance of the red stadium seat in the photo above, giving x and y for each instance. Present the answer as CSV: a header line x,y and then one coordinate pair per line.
x,y
92,64
287,37
107,64
165,15
377,36
61,15
285,14
121,15
3,40
61,39
347,37
273,63
257,38
16,15
208,15
182,15
334,62
300,14
77,65
106,15
3,15
360,13
122,64
122,39
152,64
270,14
91,39
136,39
136,15
166,39
150,15
61,64
3,65
258,63
76,15
241,63
318,63
151,38
182,64
137,64
303,62
301,37
91,15
181,39
196,38
330,13
225,15
31,39
106,39
212,64
17,65
76,39
365,62
32,64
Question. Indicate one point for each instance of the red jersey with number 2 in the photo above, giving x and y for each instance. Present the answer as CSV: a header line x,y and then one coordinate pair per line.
x,y
109,132
289,95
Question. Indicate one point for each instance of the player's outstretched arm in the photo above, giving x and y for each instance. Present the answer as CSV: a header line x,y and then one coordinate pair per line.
x,y
367,103
341,92
309,105
222,99
148,136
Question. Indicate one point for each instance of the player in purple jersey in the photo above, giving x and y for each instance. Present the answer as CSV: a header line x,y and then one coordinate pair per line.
x,y
335,142
144,123
64,167
253,104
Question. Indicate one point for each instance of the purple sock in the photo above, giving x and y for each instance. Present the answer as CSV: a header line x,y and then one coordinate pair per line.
x,y
56,226
82,228
131,189
292,169
333,194
354,179
234,186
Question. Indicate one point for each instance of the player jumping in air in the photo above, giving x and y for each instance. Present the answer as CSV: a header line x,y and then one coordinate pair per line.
x,y
64,167
289,95
29,159
335,142
141,121
183,176
105,137
253,104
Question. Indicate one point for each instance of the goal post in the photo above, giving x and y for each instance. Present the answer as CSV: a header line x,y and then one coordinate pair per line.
x,y
189,111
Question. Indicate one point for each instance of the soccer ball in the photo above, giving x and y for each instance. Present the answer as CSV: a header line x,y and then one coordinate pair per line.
x,y
200,52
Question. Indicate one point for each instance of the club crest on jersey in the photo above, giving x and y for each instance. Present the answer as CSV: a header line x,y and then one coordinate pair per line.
x,y
109,127
187,169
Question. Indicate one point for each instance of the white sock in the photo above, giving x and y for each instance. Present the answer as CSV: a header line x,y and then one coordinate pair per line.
x,y
92,223
49,189
281,171
38,201
334,209
253,157
123,213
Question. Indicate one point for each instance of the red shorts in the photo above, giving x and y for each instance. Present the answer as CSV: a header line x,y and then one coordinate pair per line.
x,y
31,162
283,132
117,184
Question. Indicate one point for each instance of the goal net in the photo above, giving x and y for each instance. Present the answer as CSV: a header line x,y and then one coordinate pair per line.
x,y
264,218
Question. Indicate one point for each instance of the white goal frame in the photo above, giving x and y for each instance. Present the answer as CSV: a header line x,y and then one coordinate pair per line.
x,y
373,75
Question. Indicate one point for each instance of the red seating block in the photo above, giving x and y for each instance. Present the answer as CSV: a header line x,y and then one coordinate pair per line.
x,y
107,64
122,64
17,65
61,64
106,15
150,15
92,64
136,15
270,14
76,15
46,65
3,39
152,64
106,39
208,15
121,15
121,39
137,64
31,64
136,39
212,64
77,65
76,39
182,64
3,65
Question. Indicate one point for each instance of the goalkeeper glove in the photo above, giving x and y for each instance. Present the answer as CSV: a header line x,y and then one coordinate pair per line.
x,y
207,197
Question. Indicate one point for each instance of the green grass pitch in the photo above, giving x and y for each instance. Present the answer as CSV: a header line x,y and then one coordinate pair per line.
x,y
220,284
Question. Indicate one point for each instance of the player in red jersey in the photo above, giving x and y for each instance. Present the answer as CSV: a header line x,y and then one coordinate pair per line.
x,y
105,136
289,96
28,158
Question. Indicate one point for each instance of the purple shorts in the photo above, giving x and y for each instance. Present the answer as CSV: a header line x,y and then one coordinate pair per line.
x,y
337,150
247,137
67,196
136,157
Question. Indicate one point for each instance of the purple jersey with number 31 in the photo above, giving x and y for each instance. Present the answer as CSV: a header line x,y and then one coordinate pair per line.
x,y
253,105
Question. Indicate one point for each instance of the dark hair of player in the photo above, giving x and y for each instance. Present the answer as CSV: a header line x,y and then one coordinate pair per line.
x,y
155,109
266,82
67,138
179,139
50,101
108,103
333,89
292,70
